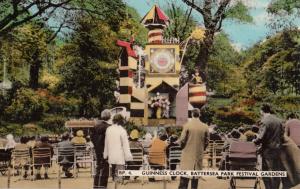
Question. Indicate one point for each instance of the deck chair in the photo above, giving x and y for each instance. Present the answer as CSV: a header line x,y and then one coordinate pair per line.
x,y
84,156
208,155
20,160
66,157
5,157
137,161
174,156
217,152
41,157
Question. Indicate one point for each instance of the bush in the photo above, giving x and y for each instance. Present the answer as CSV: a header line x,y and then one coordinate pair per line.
x,y
207,114
233,118
26,106
58,105
11,128
285,104
55,124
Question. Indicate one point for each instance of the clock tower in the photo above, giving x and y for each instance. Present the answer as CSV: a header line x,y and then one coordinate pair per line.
x,y
149,79
162,62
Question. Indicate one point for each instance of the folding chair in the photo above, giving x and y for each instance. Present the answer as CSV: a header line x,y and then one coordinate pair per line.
x,y
41,157
217,152
84,156
5,157
158,156
66,157
174,156
20,159
137,162
208,154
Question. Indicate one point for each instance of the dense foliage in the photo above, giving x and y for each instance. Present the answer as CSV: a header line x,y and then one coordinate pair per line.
x,y
71,71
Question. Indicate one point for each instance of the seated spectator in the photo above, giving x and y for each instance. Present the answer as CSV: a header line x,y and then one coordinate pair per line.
x,y
10,143
241,130
31,142
89,143
235,136
2,143
45,161
68,161
250,135
79,139
133,140
22,162
147,142
255,129
157,153
214,136
134,143
172,143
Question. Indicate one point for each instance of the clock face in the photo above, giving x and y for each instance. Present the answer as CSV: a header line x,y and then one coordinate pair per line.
x,y
162,60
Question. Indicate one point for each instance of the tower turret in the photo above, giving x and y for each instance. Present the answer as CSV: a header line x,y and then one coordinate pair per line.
x,y
155,20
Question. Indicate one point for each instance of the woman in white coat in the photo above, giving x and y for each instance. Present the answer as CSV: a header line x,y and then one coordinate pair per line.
x,y
117,149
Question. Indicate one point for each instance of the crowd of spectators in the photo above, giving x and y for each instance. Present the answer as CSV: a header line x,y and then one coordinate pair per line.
x,y
112,145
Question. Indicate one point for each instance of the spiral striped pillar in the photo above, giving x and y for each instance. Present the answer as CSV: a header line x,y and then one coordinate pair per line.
x,y
155,36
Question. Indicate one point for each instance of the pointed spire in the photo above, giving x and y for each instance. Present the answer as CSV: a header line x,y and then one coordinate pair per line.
x,y
155,17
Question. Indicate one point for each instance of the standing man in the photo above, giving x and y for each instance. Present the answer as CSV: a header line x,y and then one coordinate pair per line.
x,y
194,140
98,139
270,137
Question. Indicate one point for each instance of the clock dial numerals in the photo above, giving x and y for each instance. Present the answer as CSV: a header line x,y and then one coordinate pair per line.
x,y
162,60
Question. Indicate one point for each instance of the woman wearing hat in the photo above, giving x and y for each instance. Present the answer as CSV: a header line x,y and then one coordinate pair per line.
x,y
79,139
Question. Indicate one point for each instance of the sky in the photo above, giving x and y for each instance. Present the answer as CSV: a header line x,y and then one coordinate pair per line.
x,y
241,35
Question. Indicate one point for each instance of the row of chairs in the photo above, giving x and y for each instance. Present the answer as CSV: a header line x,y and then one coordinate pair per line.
x,y
77,155
25,159
28,159
214,153
142,160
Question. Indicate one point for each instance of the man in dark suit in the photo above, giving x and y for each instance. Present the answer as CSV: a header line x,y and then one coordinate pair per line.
x,y
271,139
98,139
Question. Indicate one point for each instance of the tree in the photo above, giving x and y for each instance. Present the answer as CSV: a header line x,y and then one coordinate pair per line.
x,y
17,12
87,65
213,14
285,14
290,6
182,22
131,27
25,49
223,67
273,67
